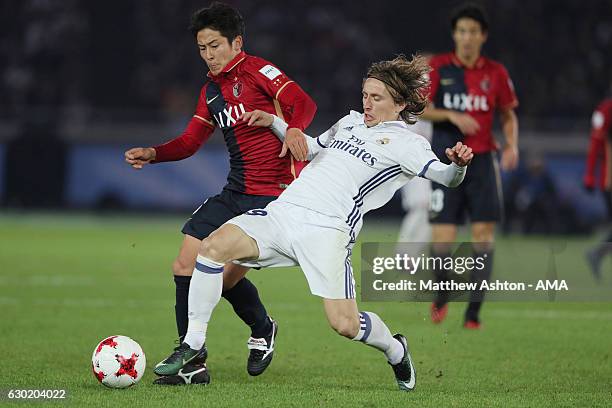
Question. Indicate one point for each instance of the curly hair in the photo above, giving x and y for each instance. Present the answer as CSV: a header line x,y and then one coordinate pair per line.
x,y
407,81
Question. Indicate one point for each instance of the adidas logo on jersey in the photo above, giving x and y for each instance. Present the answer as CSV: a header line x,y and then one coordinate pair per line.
x,y
465,102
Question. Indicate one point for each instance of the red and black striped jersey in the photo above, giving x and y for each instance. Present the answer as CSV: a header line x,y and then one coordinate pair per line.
x,y
477,91
245,84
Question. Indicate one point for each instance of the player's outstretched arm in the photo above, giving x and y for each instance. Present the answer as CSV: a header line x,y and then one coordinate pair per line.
x,y
451,175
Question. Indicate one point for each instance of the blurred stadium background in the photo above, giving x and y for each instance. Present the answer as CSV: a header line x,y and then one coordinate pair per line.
x,y
81,81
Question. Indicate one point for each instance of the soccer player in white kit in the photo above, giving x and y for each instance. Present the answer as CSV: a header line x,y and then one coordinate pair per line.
x,y
357,166
416,199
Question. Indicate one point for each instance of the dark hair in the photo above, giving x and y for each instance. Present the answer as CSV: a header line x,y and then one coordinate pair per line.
x,y
407,82
472,11
219,17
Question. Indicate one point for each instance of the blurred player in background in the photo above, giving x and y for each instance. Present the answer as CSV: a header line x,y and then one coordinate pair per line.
x,y
600,155
416,197
466,88
236,83
357,166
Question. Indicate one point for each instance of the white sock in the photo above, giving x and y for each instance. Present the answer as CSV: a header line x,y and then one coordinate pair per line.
x,y
415,226
204,294
374,332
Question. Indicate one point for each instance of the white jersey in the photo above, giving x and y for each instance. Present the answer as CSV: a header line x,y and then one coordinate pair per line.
x,y
356,168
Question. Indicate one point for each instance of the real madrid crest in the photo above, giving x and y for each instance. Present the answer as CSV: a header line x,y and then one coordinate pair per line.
x,y
237,89
383,141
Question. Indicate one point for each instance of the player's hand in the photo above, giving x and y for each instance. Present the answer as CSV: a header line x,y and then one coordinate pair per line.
x,y
295,141
137,157
510,158
460,154
257,118
466,123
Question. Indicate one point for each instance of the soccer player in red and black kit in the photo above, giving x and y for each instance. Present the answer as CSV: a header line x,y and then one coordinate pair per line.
x,y
466,88
600,149
236,83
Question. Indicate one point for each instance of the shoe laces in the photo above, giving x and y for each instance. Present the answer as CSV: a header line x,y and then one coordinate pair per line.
x,y
179,349
256,355
402,370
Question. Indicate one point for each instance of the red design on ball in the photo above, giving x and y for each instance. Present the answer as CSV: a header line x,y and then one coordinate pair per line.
x,y
110,342
127,365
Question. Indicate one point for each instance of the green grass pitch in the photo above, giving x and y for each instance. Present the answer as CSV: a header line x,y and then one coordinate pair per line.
x,y
66,282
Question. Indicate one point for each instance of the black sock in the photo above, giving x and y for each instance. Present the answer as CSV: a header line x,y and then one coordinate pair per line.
x,y
484,274
440,275
244,298
181,305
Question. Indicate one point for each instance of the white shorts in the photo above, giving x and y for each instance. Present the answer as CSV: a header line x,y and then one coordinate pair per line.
x,y
289,235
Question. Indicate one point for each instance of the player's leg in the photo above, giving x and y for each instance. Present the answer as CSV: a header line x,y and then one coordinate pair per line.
x,y
484,196
322,246
483,241
448,208
596,255
182,268
447,211
415,228
368,328
244,298
254,236
239,291
416,199
223,245
443,235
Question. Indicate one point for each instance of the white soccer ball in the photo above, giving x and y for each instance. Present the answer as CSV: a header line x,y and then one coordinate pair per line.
x,y
118,362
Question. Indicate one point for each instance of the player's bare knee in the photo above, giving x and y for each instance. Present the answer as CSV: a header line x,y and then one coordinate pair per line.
x,y
346,326
443,233
182,268
212,249
483,234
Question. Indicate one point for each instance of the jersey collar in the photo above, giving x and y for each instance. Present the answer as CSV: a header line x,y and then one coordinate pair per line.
x,y
230,65
388,123
479,62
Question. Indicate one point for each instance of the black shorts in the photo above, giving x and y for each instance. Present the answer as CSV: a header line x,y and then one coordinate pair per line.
x,y
479,197
608,199
217,210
